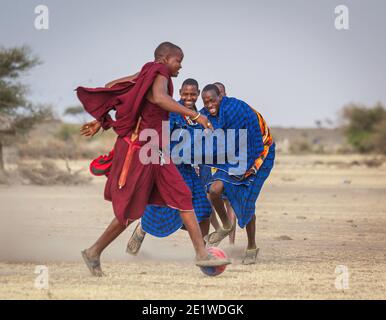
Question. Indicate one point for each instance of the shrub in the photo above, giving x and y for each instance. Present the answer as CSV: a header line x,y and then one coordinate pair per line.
x,y
365,128
49,174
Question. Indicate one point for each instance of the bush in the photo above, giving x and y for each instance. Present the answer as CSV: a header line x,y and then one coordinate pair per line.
x,y
56,149
379,138
302,146
49,174
67,132
365,128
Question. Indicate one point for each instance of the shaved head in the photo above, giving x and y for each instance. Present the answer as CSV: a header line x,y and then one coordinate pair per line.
x,y
211,87
221,87
190,82
166,49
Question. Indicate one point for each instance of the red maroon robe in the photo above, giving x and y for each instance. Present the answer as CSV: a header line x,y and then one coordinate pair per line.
x,y
146,184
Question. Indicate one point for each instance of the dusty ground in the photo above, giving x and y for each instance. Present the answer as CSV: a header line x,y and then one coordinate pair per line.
x,y
334,215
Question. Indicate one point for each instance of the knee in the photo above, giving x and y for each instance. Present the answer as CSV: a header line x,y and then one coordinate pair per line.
x,y
215,190
252,221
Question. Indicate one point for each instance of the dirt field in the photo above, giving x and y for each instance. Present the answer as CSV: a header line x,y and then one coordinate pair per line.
x,y
314,214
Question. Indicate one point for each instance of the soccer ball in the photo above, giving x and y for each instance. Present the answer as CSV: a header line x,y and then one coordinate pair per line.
x,y
215,271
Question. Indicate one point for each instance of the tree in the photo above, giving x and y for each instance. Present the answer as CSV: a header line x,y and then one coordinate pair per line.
x,y
17,114
318,124
76,111
365,128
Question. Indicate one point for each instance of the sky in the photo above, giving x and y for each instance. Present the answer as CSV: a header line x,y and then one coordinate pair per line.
x,y
284,58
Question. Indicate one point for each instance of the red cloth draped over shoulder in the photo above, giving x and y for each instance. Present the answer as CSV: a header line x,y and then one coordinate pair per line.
x,y
126,98
146,184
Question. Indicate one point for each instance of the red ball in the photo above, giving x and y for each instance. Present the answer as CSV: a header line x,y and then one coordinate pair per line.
x,y
215,271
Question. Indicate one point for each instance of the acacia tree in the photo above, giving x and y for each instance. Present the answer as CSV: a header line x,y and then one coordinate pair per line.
x,y
17,114
76,112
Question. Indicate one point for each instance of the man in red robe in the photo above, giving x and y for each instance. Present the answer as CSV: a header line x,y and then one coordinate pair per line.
x,y
142,101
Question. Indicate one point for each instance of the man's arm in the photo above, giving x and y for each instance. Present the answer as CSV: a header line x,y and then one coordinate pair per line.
x,y
124,79
158,94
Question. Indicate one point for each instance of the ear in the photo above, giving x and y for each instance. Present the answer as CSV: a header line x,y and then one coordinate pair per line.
x,y
164,60
199,92
180,92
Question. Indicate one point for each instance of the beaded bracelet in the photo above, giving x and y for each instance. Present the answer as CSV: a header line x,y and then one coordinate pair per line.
x,y
196,117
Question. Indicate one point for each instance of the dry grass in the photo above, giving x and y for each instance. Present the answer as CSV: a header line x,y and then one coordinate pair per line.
x,y
48,173
330,222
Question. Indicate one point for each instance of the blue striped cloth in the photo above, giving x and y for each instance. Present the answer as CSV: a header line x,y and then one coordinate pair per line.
x,y
242,193
237,115
163,221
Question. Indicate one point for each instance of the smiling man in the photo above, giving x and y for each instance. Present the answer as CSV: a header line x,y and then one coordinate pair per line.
x,y
205,172
241,190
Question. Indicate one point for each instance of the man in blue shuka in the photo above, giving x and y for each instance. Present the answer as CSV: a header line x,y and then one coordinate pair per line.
x,y
243,187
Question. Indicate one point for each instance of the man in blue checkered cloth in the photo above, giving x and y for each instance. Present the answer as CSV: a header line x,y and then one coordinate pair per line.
x,y
163,221
241,189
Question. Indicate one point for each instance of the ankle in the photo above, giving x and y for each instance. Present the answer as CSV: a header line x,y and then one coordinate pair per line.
x,y
252,246
92,253
228,225
141,231
201,254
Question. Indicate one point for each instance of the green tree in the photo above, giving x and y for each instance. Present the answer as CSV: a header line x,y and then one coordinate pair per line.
x,y
365,128
77,112
17,114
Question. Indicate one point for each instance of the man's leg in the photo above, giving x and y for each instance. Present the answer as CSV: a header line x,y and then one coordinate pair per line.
x,y
190,221
214,221
136,239
176,193
215,196
232,216
251,233
204,226
213,217
203,257
252,250
92,254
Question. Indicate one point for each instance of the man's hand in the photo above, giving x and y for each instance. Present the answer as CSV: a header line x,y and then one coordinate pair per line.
x,y
203,120
90,128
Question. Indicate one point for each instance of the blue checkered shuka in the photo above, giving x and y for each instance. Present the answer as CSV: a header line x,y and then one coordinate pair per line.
x,y
241,192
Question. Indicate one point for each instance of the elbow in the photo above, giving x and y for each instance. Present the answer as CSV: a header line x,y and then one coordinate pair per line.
x,y
159,99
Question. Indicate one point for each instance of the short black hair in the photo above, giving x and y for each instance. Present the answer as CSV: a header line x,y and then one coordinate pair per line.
x,y
190,82
220,84
211,87
165,49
